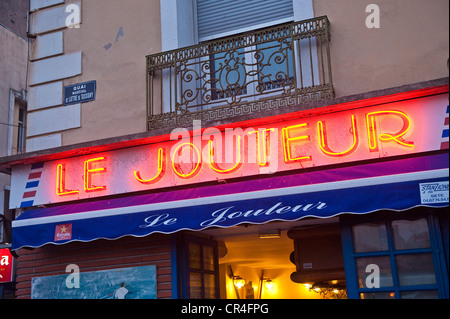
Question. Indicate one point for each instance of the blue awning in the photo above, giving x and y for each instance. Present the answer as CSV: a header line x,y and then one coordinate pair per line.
x,y
254,202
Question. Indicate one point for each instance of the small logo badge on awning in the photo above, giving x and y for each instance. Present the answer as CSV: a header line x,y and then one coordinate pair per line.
x,y
63,232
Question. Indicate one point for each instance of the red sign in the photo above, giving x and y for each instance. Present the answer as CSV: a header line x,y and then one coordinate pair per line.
x,y
63,232
6,266
209,154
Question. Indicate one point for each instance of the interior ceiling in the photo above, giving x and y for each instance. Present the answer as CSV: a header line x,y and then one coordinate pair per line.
x,y
245,248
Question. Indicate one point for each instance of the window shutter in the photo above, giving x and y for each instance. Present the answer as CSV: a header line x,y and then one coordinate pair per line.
x,y
218,18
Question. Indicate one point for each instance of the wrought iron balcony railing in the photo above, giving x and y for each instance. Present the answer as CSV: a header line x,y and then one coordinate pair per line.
x,y
266,69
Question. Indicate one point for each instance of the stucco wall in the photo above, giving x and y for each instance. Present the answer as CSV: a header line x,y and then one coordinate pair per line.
x,y
410,46
108,46
114,39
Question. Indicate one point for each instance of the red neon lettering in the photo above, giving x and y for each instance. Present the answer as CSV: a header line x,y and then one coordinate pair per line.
x,y
215,167
89,171
323,140
287,140
176,165
387,137
158,175
61,182
262,146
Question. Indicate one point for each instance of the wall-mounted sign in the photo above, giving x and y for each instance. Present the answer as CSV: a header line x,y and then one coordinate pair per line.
x,y
431,193
6,266
367,133
63,232
79,93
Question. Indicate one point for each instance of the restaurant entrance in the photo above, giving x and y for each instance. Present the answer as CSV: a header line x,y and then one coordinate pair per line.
x,y
254,262
384,254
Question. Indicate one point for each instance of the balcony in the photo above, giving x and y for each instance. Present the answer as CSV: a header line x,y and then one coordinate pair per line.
x,y
262,70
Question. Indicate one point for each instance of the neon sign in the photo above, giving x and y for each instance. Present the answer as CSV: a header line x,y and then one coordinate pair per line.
x,y
214,166
385,137
323,144
61,182
287,140
158,175
177,161
261,142
89,171
186,159
211,155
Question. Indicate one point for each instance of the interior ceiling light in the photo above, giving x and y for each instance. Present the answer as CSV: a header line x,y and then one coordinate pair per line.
x,y
270,233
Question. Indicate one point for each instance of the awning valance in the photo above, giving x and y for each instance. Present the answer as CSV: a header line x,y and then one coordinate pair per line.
x,y
392,185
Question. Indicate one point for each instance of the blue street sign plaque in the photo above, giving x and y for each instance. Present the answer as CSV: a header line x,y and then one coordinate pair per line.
x,y
79,93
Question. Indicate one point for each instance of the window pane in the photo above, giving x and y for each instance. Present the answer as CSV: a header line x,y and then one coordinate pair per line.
x,y
208,258
210,286
409,234
368,278
370,237
195,285
378,295
415,269
194,256
421,294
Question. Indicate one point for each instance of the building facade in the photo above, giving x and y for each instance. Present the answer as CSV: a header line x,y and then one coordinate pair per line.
x,y
233,149
13,106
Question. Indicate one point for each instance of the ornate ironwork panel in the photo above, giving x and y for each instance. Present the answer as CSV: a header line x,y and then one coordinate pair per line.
x,y
266,69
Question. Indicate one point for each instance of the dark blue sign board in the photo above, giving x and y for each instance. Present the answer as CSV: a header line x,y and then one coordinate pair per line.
x,y
79,93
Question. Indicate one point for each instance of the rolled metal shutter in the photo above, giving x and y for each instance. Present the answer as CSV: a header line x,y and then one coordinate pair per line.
x,y
222,17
